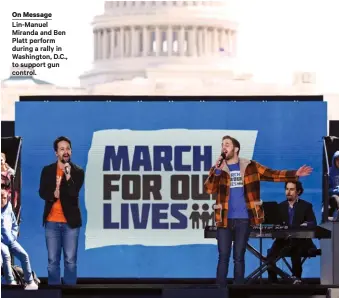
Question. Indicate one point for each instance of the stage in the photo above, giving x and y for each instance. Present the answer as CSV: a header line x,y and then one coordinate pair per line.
x,y
169,288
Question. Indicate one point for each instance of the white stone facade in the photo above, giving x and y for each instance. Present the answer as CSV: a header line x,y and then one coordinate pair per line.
x,y
165,48
140,37
131,36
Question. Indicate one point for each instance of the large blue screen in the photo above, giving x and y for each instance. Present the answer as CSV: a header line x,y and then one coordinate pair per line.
x,y
158,236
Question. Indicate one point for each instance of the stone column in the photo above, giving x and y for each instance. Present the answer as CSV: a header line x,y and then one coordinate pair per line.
x,y
200,42
95,43
127,43
133,42
222,38
137,42
145,41
234,43
99,40
158,45
105,44
193,45
122,42
182,41
205,40
229,42
112,43
169,37
216,46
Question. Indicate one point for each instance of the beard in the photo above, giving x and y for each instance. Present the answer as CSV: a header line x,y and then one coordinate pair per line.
x,y
65,158
230,155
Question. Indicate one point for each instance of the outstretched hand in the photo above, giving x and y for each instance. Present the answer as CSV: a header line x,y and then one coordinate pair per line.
x,y
304,171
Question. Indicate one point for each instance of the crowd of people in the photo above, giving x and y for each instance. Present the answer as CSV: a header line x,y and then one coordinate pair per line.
x,y
9,231
7,175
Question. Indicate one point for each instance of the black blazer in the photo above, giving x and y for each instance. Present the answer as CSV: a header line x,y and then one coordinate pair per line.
x,y
69,193
303,213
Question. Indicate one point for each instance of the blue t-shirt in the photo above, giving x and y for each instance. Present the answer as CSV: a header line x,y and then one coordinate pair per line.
x,y
237,204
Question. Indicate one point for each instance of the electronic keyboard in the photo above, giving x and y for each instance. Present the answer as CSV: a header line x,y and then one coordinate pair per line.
x,y
277,231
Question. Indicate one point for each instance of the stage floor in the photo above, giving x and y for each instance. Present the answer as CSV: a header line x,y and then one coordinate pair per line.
x,y
167,289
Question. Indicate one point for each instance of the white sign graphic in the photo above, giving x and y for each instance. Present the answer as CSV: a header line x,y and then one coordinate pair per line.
x,y
146,187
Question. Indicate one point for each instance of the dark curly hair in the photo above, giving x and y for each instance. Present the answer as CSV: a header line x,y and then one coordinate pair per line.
x,y
299,187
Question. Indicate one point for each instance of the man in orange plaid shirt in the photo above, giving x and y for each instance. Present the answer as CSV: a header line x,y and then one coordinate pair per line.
x,y
238,206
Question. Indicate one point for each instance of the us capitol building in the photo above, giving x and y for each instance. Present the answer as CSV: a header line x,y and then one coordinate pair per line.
x,y
140,48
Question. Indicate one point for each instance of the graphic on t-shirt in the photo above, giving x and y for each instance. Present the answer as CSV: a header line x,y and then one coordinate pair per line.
x,y
236,179
237,205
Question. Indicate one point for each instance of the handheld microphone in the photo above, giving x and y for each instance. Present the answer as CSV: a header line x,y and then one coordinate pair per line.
x,y
66,168
223,155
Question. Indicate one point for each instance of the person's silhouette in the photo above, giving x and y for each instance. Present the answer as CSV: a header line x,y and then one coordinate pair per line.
x,y
195,216
212,217
205,216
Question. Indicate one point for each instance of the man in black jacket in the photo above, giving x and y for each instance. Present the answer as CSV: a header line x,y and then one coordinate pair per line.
x,y
294,212
60,184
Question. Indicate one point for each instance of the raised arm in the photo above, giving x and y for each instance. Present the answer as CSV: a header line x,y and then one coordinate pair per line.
x,y
267,174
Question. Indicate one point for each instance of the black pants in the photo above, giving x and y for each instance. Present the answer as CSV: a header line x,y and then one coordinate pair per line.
x,y
294,248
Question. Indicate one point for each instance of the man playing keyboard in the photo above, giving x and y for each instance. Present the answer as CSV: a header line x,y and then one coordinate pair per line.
x,y
294,212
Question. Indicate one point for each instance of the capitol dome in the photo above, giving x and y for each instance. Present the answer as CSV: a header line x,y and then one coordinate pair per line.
x,y
134,38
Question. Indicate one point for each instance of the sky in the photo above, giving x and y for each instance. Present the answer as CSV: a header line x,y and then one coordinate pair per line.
x,y
276,38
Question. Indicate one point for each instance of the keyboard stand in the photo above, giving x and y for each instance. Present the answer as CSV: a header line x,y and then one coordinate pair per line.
x,y
259,253
265,264
260,249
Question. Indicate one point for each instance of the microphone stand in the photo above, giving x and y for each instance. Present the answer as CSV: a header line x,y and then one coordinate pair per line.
x,y
326,199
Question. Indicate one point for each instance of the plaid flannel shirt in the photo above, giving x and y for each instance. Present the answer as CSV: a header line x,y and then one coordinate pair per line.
x,y
252,173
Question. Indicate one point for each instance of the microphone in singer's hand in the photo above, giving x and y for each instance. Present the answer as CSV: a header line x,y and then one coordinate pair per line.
x,y
223,155
66,168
